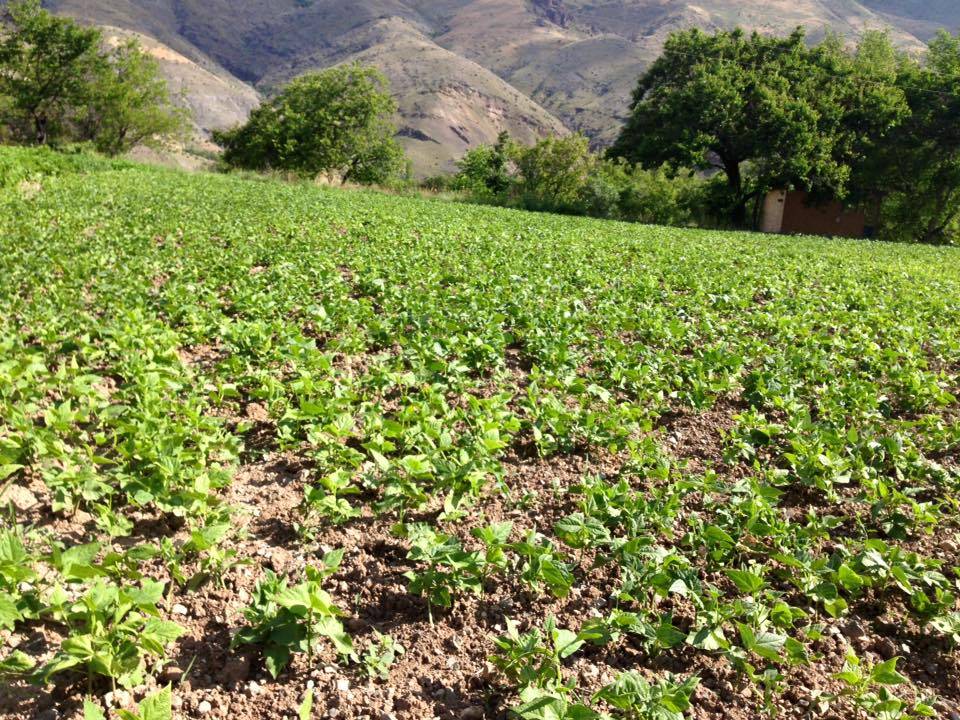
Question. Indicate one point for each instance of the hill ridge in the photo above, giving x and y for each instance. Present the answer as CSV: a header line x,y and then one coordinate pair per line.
x,y
531,67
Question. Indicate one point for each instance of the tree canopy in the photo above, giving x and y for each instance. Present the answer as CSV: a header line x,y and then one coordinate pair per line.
x,y
913,178
61,82
130,103
337,121
791,114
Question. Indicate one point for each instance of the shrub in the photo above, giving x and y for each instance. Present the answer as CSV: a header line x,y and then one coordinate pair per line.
x,y
333,122
552,174
19,164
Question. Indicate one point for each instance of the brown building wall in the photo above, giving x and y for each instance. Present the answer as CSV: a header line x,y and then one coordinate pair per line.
x,y
828,219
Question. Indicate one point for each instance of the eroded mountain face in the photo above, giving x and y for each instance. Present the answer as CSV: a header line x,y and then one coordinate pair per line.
x,y
463,70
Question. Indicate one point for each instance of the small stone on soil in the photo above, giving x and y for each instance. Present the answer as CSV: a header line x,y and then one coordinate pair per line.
x,y
21,498
235,670
171,674
885,648
854,629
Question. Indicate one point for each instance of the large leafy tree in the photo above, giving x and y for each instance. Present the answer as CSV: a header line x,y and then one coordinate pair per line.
x,y
337,121
764,111
46,63
913,178
60,82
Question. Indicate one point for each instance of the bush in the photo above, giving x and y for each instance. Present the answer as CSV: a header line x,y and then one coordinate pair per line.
x,y
486,172
600,196
334,122
661,197
552,174
439,183
562,175
20,163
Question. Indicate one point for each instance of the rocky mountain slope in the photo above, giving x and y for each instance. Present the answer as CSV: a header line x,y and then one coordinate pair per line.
x,y
215,98
463,70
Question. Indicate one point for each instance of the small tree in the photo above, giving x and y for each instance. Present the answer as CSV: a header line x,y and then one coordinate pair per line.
x,y
46,63
59,83
485,170
334,121
553,173
129,103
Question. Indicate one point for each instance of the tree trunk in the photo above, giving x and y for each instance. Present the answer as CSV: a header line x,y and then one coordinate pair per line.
x,y
738,213
40,129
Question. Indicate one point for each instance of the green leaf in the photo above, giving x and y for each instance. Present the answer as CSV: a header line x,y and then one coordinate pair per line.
x,y
306,707
416,465
848,676
8,470
716,536
538,704
902,580
16,663
382,462
796,652
848,579
333,629
708,639
164,630
276,659
295,598
668,635
747,582
92,711
148,595
9,612
208,537
157,706
12,551
567,642
764,643
332,561
886,673
77,562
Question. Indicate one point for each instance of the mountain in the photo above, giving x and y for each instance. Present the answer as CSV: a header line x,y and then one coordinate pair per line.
x,y
922,18
215,98
463,70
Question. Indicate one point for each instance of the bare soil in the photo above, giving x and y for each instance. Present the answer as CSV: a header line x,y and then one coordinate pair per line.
x,y
445,672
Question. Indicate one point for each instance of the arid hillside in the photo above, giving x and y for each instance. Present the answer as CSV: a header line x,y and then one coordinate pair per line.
x,y
463,70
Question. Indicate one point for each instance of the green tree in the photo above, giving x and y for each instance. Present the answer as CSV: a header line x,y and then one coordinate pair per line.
x,y
59,82
553,173
764,111
485,170
913,178
663,197
334,121
129,103
45,67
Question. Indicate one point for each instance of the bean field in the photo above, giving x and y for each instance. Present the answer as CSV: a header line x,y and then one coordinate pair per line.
x,y
272,450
